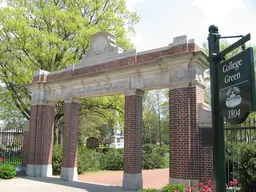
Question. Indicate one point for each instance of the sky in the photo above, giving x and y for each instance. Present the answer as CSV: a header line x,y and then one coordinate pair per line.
x,y
162,20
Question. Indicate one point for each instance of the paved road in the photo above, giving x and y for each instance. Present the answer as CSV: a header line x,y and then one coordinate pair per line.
x,y
26,184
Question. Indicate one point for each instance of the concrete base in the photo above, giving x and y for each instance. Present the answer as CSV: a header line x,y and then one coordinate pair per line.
x,y
69,174
30,170
39,170
185,182
46,170
132,181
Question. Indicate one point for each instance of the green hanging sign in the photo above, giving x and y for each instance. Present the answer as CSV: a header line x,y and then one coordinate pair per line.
x,y
236,83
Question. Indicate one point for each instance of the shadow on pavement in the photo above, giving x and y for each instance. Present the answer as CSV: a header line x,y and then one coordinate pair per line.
x,y
90,187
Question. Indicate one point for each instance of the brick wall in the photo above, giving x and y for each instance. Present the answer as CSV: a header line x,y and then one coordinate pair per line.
x,y
133,134
184,132
70,135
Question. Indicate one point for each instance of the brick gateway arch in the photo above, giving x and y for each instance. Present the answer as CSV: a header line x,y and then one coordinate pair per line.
x,y
107,70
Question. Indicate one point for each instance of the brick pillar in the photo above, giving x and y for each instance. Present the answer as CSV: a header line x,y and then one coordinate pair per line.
x,y
205,143
40,140
132,178
184,134
70,141
25,146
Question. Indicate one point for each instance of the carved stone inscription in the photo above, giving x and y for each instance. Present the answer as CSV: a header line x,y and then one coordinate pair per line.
x,y
118,85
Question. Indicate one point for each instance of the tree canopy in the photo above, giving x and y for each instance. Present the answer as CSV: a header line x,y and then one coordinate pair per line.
x,y
48,35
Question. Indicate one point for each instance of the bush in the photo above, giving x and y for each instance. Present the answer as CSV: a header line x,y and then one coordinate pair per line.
x,y
173,187
154,156
113,159
157,156
88,160
56,159
247,166
7,171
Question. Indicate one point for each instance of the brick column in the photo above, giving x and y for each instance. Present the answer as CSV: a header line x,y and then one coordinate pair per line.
x,y
40,140
25,146
132,178
184,134
70,141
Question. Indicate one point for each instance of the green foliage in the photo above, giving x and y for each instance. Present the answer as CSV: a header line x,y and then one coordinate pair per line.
x,y
173,187
113,159
166,160
7,171
247,165
147,162
56,159
155,117
88,160
148,190
50,35
154,157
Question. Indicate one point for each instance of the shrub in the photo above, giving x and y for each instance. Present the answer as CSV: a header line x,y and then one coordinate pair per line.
x,y
7,171
56,159
154,156
88,160
247,166
157,157
113,159
173,187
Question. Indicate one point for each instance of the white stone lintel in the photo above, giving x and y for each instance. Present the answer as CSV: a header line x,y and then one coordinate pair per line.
x,y
185,182
69,174
132,181
135,92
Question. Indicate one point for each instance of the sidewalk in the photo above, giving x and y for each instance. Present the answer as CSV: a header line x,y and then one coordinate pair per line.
x,y
26,184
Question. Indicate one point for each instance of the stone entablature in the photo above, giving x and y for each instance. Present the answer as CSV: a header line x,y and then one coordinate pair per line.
x,y
176,65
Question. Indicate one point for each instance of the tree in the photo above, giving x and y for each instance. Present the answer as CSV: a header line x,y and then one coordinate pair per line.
x,y
155,116
48,35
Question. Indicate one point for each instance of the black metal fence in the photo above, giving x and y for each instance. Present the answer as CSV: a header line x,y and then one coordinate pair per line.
x,y
235,134
11,146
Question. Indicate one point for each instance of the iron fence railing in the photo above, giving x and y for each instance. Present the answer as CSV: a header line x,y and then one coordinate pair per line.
x,y
235,135
11,146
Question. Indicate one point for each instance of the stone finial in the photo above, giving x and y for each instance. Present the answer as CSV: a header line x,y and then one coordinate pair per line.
x,y
102,42
180,40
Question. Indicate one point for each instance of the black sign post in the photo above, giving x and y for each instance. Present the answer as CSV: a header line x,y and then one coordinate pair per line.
x,y
232,94
217,120
237,87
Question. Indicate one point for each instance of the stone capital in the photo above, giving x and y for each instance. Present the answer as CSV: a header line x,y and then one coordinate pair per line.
x,y
135,92
72,100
